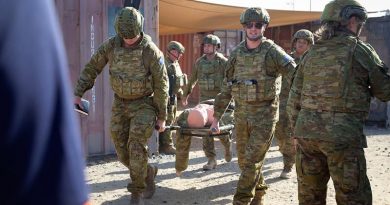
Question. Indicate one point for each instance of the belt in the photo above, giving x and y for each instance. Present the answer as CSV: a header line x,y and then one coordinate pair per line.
x,y
128,100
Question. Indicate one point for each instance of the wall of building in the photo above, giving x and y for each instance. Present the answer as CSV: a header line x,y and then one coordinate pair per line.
x,y
85,25
376,33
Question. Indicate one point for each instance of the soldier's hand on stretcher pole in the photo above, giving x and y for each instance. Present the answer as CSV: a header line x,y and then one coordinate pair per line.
x,y
214,128
160,125
184,100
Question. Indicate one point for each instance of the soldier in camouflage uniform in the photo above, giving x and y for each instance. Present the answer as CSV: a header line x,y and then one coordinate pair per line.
x,y
177,81
301,42
209,71
139,80
254,77
328,104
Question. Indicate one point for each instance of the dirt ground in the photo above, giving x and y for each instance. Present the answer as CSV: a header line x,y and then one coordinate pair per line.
x,y
107,178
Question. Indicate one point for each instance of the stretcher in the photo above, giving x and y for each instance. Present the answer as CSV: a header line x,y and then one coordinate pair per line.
x,y
203,132
186,131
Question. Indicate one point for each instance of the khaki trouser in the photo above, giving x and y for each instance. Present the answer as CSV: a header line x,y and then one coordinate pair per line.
x,y
132,123
283,137
318,160
165,138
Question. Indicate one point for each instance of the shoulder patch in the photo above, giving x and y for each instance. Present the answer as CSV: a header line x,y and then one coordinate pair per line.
x,y
287,59
161,61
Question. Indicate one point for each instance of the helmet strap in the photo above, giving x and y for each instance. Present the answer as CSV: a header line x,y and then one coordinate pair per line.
x,y
253,39
174,56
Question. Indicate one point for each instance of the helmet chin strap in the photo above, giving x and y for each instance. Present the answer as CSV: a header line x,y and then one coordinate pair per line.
x,y
253,39
359,29
174,56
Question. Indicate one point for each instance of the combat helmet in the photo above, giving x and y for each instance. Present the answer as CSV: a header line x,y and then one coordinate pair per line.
x,y
342,10
254,15
174,45
213,40
303,34
128,23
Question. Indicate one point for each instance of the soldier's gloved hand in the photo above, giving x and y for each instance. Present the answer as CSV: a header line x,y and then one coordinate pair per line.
x,y
184,101
215,127
161,125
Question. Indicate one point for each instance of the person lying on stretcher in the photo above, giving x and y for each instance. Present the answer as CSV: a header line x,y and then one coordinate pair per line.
x,y
198,117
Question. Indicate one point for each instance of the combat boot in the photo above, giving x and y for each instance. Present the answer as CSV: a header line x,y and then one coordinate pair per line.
x,y
211,164
150,184
136,199
167,150
228,153
286,173
258,199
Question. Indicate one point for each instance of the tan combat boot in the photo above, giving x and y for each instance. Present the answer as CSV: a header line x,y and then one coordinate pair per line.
x,y
136,199
167,150
286,173
150,184
258,199
211,164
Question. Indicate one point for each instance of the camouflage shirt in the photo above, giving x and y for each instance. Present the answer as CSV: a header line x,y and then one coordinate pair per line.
x,y
153,62
330,95
275,62
209,74
283,97
174,74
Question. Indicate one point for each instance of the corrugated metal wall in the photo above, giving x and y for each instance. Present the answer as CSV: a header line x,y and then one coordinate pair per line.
x,y
376,33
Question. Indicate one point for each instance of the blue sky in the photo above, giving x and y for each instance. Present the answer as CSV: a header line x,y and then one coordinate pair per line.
x,y
301,5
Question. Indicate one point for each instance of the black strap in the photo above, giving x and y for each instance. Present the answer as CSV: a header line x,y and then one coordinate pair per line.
x,y
132,3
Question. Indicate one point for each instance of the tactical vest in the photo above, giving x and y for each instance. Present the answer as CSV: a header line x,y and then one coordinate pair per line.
x,y
252,83
176,77
210,76
129,78
328,82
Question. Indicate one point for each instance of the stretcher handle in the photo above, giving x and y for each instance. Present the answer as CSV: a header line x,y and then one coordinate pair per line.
x,y
172,127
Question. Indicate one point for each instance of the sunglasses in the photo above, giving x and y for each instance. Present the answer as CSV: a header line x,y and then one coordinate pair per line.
x,y
256,25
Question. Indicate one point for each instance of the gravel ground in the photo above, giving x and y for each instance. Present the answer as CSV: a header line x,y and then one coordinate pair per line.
x,y
107,178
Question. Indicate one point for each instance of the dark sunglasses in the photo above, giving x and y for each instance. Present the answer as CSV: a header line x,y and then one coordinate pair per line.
x,y
249,25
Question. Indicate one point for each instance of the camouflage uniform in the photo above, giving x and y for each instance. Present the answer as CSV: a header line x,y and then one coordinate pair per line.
x,y
176,81
328,104
254,81
283,127
183,143
209,74
139,80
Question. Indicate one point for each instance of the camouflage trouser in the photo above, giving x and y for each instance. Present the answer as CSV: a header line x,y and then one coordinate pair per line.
x,y
132,123
283,137
183,143
165,138
318,160
255,132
